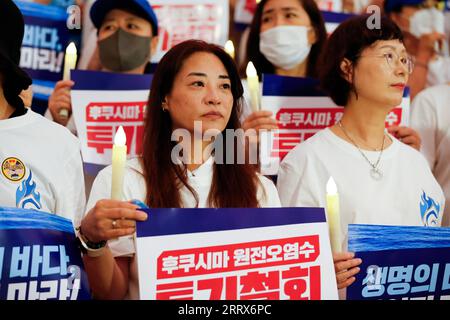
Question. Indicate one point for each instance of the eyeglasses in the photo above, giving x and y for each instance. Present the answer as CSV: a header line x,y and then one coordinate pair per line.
x,y
392,58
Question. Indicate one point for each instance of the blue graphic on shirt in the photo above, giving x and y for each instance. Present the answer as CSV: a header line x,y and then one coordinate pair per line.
x,y
63,3
26,194
429,210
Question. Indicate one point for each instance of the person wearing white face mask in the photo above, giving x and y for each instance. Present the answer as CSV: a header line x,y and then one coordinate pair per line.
x,y
424,27
285,46
286,38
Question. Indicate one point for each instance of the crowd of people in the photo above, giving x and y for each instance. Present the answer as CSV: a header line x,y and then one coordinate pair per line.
x,y
382,174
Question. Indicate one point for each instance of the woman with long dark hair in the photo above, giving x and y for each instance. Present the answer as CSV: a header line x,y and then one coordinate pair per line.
x,y
195,84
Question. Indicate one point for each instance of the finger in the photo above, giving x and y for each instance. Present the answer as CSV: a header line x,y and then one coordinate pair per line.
x,y
411,140
262,121
343,276
63,94
345,265
258,114
61,102
57,105
346,283
404,131
393,129
258,121
116,233
125,213
342,256
266,127
122,223
63,97
109,203
64,84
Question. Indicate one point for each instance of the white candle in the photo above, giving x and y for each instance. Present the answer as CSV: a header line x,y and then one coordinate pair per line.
x,y
119,157
253,85
229,48
70,60
333,216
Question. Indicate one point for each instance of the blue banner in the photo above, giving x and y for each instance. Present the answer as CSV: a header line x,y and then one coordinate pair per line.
x,y
98,80
39,257
178,221
275,85
400,262
44,43
336,17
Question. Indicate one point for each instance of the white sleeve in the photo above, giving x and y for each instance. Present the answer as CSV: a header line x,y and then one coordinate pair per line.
x,y
424,120
72,196
268,194
101,188
70,124
299,182
48,114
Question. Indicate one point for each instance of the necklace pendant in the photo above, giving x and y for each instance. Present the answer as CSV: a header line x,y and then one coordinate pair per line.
x,y
376,174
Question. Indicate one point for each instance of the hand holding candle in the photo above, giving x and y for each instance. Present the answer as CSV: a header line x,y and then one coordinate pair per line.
x,y
70,61
253,85
119,157
333,216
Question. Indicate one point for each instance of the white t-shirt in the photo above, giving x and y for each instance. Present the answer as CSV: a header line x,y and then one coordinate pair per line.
x,y
430,116
134,188
41,167
438,71
393,200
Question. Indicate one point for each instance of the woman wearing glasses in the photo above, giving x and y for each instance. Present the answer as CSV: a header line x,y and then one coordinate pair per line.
x,y
379,179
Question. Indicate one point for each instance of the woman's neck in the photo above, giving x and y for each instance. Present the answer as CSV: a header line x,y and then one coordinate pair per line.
x,y
197,153
298,71
5,109
364,123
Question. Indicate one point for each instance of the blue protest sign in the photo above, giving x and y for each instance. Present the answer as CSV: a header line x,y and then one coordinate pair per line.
x,y
39,257
400,262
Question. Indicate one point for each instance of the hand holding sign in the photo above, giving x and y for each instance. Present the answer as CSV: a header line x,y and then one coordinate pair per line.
x,y
346,267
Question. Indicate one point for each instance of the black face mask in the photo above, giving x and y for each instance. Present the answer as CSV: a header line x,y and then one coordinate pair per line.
x,y
124,51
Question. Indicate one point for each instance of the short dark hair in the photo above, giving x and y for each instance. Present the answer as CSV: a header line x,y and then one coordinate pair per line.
x,y
263,65
348,41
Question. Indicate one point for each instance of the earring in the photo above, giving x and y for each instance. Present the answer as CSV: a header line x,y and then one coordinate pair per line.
x,y
164,107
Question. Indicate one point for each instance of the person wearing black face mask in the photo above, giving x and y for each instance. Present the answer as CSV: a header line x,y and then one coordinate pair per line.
x,y
40,162
127,37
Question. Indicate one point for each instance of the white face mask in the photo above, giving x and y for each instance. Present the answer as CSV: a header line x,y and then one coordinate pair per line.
x,y
426,21
285,46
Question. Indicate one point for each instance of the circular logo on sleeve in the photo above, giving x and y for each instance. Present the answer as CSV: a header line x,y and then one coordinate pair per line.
x,y
13,169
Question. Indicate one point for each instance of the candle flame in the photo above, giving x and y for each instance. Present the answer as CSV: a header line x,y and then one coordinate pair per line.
x,y
120,139
71,49
331,186
250,71
229,48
